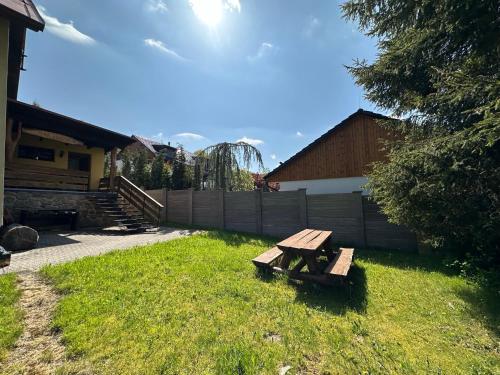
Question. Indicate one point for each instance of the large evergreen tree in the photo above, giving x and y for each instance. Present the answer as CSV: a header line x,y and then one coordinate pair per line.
x,y
439,67
157,171
180,174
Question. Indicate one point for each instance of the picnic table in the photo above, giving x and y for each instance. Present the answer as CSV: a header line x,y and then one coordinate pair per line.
x,y
309,246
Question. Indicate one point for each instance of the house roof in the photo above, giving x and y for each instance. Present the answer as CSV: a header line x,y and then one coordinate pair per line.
x,y
23,12
38,118
332,131
155,147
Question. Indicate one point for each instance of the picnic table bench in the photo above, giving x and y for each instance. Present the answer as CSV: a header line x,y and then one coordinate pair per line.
x,y
308,245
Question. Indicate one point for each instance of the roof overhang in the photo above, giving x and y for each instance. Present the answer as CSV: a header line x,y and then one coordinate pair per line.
x,y
23,13
91,135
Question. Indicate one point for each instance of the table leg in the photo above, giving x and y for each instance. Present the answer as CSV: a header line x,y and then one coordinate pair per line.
x,y
312,265
285,260
296,270
329,254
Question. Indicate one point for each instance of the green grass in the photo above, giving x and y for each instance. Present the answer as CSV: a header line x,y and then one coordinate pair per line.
x,y
197,306
10,316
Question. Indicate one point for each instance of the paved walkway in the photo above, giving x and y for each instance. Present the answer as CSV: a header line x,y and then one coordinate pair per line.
x,y
55,247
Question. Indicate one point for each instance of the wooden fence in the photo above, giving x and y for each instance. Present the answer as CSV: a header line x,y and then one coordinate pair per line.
x,y
353,218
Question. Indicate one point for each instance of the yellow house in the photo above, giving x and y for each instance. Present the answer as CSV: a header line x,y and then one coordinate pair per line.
x,y
15,17
46,150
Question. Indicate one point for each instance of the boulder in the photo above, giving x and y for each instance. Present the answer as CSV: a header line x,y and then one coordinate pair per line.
x,y
17,237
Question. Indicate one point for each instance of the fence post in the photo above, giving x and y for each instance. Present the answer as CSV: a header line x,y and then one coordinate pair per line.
x,y
164,202
302,198
220,216
258,211
190,206
363,223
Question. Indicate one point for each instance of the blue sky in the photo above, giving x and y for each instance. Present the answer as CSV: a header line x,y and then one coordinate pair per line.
x,y
198,72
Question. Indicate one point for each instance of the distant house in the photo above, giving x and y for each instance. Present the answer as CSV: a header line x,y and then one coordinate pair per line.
x,y
153,148
338,161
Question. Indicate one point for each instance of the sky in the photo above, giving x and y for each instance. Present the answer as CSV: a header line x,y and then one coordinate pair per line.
x,y
199,72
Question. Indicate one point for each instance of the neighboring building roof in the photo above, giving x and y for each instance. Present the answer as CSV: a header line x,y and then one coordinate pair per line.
x,y
332,131
38,118
23,12
155,147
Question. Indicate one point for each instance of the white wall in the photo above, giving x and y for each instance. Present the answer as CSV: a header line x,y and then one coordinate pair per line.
x,y
327,186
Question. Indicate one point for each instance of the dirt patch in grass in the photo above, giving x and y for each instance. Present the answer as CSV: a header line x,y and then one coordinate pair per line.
x,y
39,350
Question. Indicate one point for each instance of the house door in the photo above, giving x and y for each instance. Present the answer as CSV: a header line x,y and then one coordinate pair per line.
x,y
78,162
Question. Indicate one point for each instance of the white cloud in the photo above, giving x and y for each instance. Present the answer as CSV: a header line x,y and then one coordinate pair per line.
x,y
273,156
299,134
250,141
157,6
63,30
192,136
159,45
312,25
265,49
211,12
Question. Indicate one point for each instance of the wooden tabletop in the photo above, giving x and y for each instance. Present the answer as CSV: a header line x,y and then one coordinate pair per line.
x,y
308,239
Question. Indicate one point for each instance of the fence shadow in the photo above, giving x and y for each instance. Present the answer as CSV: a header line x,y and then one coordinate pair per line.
x,y
237,239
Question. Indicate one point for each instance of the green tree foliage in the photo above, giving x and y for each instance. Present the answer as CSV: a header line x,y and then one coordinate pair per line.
x,y
140,169
439,66
224,164
167,176
181,178
126,159
157,170
243,181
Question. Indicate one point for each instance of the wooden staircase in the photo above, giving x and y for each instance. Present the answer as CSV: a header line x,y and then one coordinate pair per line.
x,y
130,208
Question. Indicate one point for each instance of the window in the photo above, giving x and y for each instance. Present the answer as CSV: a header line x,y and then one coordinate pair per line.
x,y
78,162
35,153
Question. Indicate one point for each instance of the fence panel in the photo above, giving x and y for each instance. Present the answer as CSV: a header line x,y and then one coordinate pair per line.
x,y
380,233
340,213
206,208
179,207
239,211
281,213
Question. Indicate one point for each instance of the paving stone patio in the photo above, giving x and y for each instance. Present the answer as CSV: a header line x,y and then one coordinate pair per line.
x,y
61,247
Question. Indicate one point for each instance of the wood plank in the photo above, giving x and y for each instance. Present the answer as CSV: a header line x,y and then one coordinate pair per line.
x,y
43,185
302,242
288,242
45,170
267,258
342,263
317,242
23,175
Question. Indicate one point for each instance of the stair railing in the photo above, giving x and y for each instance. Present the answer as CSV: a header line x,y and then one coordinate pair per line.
x,y
138,198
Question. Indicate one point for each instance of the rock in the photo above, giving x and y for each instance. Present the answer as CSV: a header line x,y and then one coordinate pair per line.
x,y
17,237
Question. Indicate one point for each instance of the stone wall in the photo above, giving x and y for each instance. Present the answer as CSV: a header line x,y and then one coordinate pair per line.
x,y
17,200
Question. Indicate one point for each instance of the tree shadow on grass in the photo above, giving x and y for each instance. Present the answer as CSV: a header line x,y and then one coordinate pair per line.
x,y
406,260
484,305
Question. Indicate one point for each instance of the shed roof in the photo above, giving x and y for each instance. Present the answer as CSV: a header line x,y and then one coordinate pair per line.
x,y
23,12
325,136
92,135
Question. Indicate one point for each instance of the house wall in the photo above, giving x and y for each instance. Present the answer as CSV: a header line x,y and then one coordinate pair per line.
x,y
327,186
347,152
4,68
61,162
17,200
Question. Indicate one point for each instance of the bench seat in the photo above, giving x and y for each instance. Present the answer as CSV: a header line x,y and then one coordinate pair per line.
x,y
341,264
267,259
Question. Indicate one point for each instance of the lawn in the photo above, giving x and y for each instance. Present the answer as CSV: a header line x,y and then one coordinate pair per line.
x,y
10,316
197,306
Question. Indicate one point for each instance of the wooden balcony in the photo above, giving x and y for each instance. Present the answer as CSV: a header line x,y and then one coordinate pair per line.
x,y
30,177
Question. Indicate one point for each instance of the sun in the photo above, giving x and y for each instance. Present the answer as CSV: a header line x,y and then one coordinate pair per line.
x,y
208,11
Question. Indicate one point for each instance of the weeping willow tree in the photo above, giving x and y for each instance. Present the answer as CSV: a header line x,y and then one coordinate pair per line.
x,y
223,164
